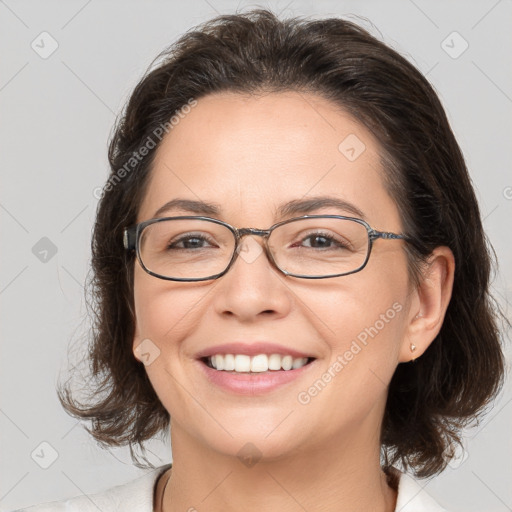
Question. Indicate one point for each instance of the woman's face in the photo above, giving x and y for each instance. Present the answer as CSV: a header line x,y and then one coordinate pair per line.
x,y
250,156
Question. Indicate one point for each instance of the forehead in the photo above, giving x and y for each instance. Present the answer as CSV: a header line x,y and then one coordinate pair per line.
x,y
250,154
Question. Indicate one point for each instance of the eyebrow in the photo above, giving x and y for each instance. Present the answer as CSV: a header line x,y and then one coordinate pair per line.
x,y
305,206
189,205
294,207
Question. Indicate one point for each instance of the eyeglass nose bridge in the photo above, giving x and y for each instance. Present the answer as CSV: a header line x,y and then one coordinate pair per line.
x,y
265,234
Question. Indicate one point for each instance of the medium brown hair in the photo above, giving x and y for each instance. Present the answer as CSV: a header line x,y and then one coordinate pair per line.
x,y
431,399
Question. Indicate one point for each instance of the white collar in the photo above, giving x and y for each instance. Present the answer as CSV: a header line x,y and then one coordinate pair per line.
x,y
137,496
412,497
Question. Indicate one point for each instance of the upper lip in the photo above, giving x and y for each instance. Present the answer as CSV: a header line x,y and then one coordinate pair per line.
x,y
251,349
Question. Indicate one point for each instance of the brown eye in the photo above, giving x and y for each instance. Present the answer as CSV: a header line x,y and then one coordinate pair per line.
x,y
191,242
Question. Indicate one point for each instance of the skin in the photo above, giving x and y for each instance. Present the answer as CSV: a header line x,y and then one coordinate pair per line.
x,y
250,154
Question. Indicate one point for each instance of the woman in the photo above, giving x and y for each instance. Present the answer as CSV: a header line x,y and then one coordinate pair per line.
x,y
290,275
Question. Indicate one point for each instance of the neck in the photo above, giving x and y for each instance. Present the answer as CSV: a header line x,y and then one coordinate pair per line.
x,y
335,476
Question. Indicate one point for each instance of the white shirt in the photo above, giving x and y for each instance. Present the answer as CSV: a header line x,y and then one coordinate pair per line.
x,y
137,496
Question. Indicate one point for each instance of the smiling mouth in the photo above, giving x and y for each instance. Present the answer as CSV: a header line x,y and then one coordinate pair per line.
x,y
261,363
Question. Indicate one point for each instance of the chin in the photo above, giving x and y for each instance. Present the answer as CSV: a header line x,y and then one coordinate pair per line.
x,y
249,445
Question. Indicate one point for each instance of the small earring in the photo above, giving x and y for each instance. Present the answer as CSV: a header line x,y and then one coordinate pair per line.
x,y
413,348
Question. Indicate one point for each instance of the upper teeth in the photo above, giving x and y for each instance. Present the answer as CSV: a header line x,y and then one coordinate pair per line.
x,y
259,363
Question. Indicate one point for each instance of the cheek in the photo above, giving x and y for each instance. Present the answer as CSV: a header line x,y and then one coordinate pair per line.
x,y
164,309
361,318
362,333
165,313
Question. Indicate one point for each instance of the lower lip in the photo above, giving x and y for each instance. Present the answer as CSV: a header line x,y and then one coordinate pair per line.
x,y
252,383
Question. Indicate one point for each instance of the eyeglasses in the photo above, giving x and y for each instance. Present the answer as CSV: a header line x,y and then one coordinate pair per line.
x,y
192,248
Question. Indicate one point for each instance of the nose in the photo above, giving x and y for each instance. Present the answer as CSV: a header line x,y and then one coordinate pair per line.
x,y
252,288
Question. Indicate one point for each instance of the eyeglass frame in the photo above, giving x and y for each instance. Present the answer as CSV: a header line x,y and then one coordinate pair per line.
x,y
132,234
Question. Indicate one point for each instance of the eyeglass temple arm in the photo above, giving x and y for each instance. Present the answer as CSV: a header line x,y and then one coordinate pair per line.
x,y
129,237
386,235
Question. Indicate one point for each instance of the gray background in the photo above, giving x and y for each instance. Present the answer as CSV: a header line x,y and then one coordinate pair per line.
x,y
56,116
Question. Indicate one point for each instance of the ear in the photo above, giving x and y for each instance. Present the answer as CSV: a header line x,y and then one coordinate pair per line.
x,y
428,304
136,342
